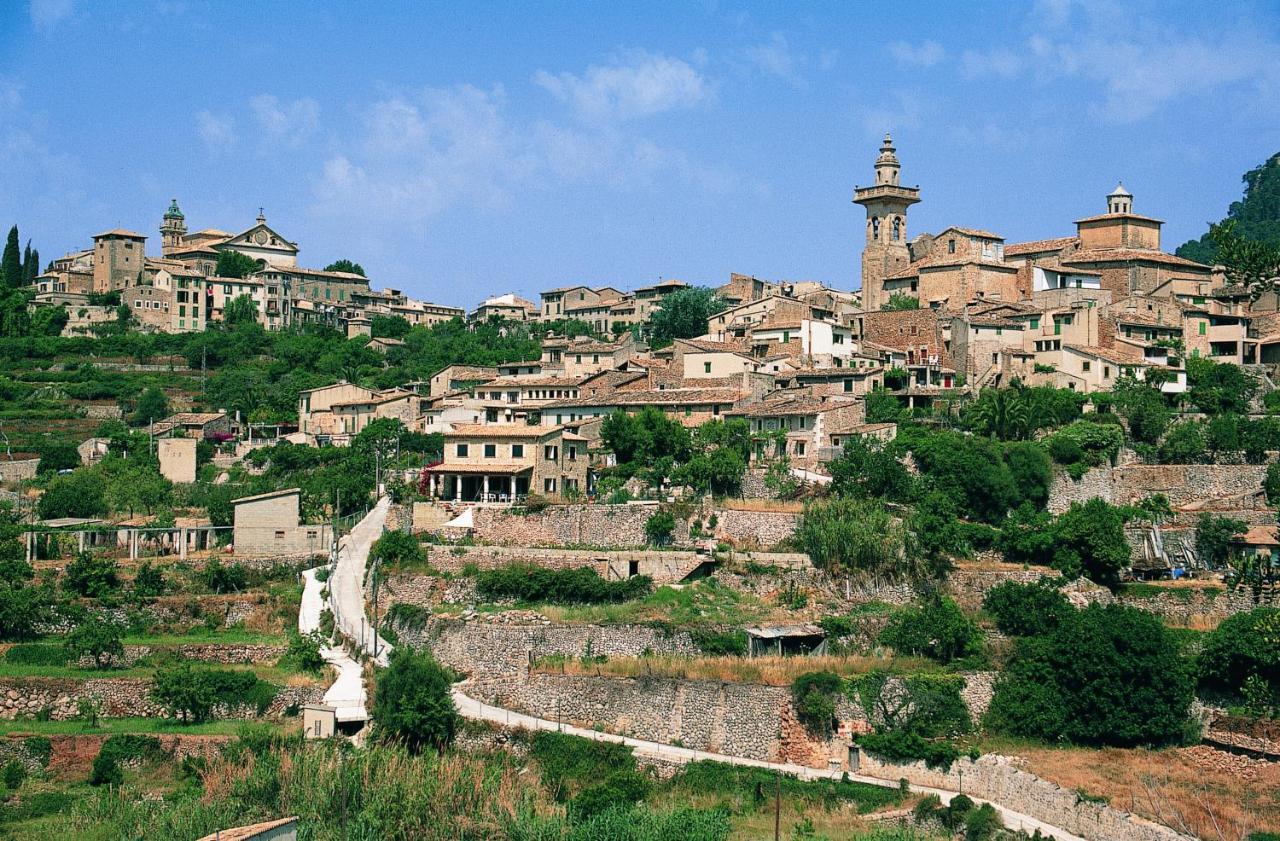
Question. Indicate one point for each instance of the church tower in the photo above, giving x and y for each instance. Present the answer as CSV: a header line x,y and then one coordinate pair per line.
x,y
886,202
172,230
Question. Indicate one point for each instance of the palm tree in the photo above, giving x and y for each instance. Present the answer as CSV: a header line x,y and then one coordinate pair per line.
x,y
1001,413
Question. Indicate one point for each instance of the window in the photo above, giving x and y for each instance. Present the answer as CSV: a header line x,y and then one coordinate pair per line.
x,y
595,358
572,452
706,367
490,450
803,421
551,452
1106,371
848,385
799,448
578,359
517,450
875,227
951,246
279,534
897,228
688,410
462,451
549,486
1203,326
1084,366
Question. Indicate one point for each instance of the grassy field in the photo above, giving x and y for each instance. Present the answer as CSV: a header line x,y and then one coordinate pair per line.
x,y
273,674
112,726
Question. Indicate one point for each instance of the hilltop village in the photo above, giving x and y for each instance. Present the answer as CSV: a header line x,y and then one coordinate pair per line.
x,y
982,549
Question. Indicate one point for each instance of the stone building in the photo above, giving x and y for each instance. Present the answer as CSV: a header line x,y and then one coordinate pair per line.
x,y
505,462
118,257
270,524
886,201
177,459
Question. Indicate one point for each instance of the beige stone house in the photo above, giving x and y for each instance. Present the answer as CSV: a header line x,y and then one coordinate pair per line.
x,y
315,406
798,424
270,524
505,462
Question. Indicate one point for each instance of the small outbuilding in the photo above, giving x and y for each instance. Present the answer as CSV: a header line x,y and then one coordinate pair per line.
x,y
319,721
786,641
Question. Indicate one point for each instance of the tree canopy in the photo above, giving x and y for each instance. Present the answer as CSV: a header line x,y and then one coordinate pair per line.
x,y
345,265
683,315
235,264
1255,217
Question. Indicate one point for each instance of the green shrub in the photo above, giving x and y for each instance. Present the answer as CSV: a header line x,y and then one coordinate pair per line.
x,y
92,576
1244,648
529,583
905,746
1109,675
750,788
148,581
120,749
220,578
13,774
96,637
659,528
38,748
924,704
1024,610
720,643
936,629
814,696
570,763
413,703
303,653
408,616
193,692
619,790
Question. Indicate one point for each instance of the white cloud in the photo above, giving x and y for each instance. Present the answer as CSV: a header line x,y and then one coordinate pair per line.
x,y
217,133
47,14
1000,62
924,54
1139,66
638,84
290,124
777,58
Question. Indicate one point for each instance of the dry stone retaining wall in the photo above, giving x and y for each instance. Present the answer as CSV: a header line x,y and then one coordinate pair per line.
x,y
995,778
118,698
1183,484
620,526
205,653
755,528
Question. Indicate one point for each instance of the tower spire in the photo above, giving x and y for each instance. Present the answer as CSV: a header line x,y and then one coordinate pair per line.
x,y
886,201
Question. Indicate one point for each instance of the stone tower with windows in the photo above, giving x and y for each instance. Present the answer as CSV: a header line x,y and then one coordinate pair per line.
x,y
172,229
886,202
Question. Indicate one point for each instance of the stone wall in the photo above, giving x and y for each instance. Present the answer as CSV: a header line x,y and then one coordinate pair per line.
x,y
497,652
78,750
997,779
1184,484
620,526
1196,607
118,698
755,528
754,487
234,653
969,584
738,719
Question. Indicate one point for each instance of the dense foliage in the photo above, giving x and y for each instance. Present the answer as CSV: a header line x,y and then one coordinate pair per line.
x,y
530,583
1104,675
1026,610
1241,660
936,628
413,704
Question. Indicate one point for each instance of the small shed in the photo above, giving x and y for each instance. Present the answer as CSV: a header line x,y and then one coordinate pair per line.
x,y
319,721
786,640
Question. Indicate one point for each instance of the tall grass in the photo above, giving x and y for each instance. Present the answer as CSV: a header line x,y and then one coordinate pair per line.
x,y
771,671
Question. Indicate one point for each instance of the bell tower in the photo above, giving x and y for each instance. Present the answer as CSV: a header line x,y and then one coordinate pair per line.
x,y
886,201
172,229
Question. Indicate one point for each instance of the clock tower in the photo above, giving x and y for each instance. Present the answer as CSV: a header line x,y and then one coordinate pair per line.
x,y
172,230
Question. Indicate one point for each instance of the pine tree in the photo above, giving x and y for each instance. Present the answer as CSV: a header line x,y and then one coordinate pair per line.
x,y
11,263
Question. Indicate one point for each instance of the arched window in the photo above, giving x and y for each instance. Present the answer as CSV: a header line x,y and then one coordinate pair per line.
x,y
875,227
897,228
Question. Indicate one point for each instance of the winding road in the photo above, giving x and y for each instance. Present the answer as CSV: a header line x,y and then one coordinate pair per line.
x,y
346,599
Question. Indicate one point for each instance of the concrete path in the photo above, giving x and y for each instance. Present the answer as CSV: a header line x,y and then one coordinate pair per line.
x,y
471,708
347,694
346,582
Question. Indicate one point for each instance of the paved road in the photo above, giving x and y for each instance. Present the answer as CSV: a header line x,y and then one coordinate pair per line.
x,y
471,708
346,598
346,582
347,694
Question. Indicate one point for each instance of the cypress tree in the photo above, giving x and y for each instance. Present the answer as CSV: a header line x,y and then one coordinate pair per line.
x,y
31,268
11,263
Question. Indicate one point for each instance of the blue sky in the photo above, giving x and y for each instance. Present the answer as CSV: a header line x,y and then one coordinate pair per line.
x,y
460,150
